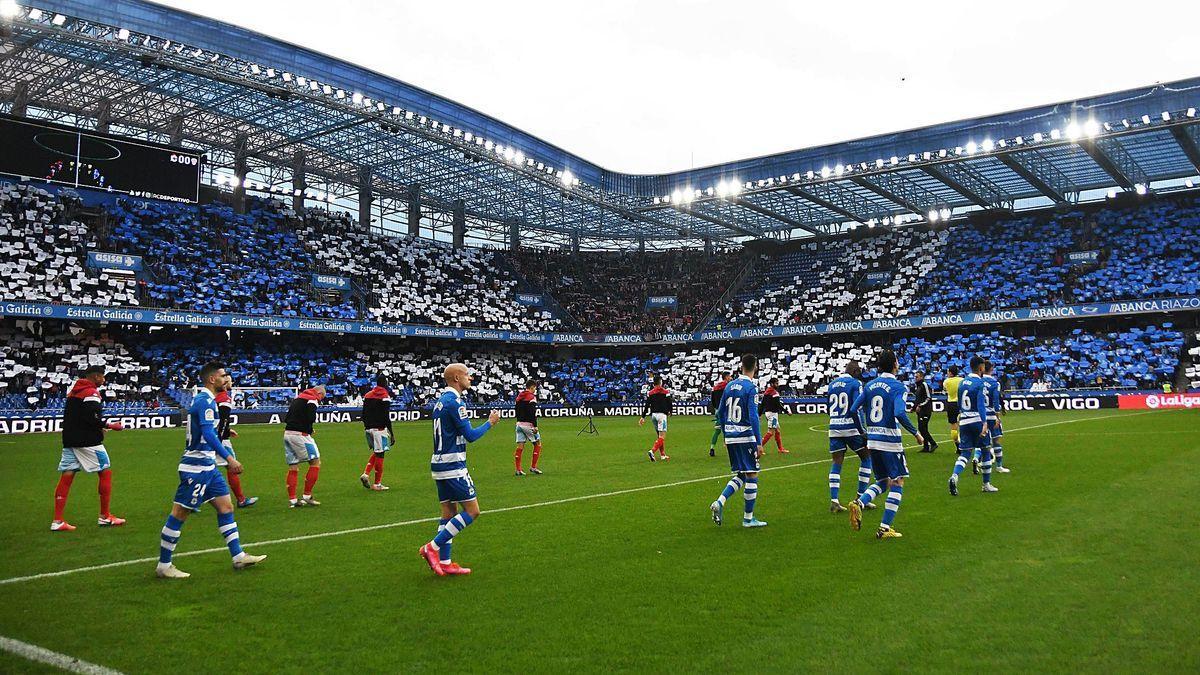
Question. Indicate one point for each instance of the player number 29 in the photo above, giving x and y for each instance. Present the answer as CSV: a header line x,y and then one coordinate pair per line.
x,y
734,408
839,403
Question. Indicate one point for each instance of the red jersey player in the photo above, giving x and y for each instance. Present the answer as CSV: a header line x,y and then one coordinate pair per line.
x,y
527,429
658,404
772,407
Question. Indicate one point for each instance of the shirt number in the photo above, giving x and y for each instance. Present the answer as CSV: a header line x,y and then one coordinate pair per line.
x,y
876,413
733,409
839,403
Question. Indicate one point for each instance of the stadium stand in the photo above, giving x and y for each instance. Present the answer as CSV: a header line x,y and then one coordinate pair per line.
x,y
40,361
43,251
606,292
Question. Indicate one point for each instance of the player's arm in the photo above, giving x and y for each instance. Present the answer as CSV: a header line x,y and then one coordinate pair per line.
x,y
464,427
854,412
208,431
721,407
752,403
96,417
902,416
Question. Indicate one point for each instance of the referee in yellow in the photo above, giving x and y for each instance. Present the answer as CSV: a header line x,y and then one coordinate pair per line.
x,y
950,384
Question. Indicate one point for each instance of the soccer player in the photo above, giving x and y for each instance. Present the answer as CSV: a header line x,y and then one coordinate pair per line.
x,y
451,434
377,422
225,432
715,399
299,446
527,429
950,384
200,481
772,408
882,403
845,433
83,448
972,426
738,413
658,404
923,407
995,401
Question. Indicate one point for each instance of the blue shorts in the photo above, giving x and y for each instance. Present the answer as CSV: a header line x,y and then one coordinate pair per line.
x,y
743,457
197,488
888,464
456,489
971,436
996,427
852,443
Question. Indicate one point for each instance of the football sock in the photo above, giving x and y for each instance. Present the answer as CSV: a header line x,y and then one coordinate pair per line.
x,y
293,477
451,529
713,443
517,457
871,492
766,439
779,439
537,453
986,466
998,452
235,486
61,492
310,479
170,537
731,488
835,481
892,505
750,494
444,550
378,469
954,436
104,486
864,475
961,462
228,529
659,444
977,454
370,465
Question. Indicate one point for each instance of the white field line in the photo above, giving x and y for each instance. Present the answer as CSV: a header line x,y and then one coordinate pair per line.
x,y
62,661
519,507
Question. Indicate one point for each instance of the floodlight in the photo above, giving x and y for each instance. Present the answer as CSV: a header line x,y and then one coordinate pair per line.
x,y
825,172
1111,194
1140,188
722,189
1191,112
988,145
838,170
122,34
1073,131
567,178
933,216
1189,183
1037,138
945,214
1145,119
688,195
676,197
735,187
1091,128
1055,134
1166,116
895,160
972,148
58,20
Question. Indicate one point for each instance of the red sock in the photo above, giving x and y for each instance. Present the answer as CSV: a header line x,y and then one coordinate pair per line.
x,y
517,457
292,478
659,445
378,470
767,438
370,464
105,488
61,491
537,452
310,479
779,439
235,484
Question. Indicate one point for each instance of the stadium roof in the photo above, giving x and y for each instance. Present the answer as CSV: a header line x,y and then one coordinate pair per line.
x,y
167,75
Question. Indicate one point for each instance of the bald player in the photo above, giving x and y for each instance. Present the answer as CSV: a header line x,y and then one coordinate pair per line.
x,y
456,491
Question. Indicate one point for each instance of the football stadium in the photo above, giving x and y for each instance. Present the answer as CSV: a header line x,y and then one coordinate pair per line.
x,y
459,398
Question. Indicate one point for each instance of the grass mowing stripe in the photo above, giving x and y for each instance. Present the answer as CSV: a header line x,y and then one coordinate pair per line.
x,y
518,507
43,655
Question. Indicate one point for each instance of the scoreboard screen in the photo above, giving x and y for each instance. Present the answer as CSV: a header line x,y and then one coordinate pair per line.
x,y
59,154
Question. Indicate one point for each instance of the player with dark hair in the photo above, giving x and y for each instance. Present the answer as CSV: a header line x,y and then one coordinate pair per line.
x,y
658,405
83,449
200,481
995,401
377,423
715,400
973,430
527,428
299,446
226,433
846,433
743,439
772,408
882,403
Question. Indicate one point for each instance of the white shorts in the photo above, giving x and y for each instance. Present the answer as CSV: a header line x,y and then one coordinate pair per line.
x,y
528,432
91,459
772,420
378,440
660,421
221,461
298,447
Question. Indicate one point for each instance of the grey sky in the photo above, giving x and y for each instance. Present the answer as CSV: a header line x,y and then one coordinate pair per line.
x,y
657,86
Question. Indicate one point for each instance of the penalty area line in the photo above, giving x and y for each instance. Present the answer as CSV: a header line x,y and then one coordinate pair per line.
x,y
502,509
61,661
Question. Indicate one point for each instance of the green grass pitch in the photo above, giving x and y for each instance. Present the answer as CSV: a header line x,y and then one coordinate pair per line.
x,y
1088,559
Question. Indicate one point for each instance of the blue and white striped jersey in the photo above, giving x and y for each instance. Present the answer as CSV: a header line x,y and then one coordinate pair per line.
x,y
842,393
882,403
451,433
972,400
738,412
991,396
203,444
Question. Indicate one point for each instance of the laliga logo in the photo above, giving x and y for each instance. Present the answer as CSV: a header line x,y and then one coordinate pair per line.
x,y
1152,401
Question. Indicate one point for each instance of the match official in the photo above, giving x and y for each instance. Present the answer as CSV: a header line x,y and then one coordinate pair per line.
x,y
923,406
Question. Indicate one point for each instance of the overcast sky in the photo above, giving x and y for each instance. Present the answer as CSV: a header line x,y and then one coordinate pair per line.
x,y
658,86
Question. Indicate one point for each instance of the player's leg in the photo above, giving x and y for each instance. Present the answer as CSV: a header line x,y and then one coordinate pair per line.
x,y
718,506
985,466
968,438
892,505
291,455
712,444
169,539
227,527
750,494
379,486
373,446
537,454
517,457
68,466
310,481
837,455
998,449
94,459
459,508
954,434
879,467
865,466
468,512
661,444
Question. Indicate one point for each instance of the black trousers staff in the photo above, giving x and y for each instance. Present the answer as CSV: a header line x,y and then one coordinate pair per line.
x,y
923,426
